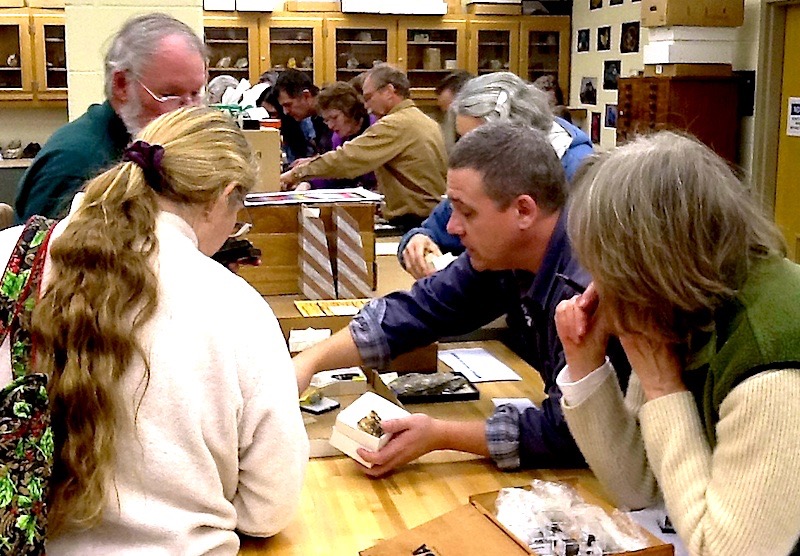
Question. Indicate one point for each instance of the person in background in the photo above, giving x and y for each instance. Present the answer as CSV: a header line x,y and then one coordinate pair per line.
x,y
297,95
404,148
357,83
508,191
345,114
446,92
555,96
175,414
155,64
491,97
294,138
692,277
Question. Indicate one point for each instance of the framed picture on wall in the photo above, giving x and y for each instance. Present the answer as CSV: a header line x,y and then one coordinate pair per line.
x,y
588,93
595,131
583,40
595,4
611,115
603,38
629,38
615,2
611,72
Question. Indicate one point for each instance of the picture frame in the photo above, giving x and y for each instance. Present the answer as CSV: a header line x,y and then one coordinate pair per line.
x,y
611,116
603,38
583,40
588,92
595,129
614,2
595,4
612,69
629,37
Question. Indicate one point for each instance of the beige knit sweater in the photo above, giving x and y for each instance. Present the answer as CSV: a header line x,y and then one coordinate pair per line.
x,y
741,498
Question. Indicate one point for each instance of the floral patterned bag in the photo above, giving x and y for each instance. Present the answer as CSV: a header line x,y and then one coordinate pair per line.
x,y
26,439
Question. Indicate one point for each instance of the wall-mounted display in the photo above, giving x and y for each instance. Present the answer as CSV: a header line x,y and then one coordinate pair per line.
x,y
588,90
629,38
611,72
611,115
603,38
583,40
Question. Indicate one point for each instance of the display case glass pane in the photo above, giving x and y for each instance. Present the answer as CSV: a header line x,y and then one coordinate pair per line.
x,y
543,53
10,58
228,51
432,54
292,47
357,50
494,51
55,57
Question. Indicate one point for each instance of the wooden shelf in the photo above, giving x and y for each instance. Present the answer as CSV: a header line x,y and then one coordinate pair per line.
x,y
292,42
365,43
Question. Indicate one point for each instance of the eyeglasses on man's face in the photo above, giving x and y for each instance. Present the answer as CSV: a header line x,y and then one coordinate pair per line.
x,y
175,101
368,95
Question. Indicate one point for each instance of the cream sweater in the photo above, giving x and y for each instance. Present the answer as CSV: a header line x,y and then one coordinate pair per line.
x,y
741,498
219,444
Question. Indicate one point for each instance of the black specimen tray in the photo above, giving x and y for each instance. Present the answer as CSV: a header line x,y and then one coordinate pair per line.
x,y
466,393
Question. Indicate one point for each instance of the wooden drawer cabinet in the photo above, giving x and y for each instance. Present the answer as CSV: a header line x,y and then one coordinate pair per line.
x,y
703,106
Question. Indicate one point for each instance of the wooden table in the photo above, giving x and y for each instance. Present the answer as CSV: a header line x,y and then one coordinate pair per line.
x,y
342,511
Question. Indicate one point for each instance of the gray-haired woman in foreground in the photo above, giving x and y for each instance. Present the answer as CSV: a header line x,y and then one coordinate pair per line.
x,y
693,279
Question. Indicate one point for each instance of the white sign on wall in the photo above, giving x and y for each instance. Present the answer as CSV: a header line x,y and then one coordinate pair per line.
x,y
793,117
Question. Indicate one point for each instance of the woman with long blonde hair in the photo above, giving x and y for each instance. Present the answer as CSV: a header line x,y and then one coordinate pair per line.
x,y
174,401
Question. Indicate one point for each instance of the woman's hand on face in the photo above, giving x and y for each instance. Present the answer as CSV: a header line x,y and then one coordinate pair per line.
x,y
655,361
415,255
584,332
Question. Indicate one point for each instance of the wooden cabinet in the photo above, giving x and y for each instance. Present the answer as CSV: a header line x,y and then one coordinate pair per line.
x,y
233,46
16,59
685,103
50,55
493,44
293,41
337,47
544,49
354,44
429,48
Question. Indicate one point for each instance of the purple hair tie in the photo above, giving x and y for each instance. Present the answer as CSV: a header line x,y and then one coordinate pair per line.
x,y
147,157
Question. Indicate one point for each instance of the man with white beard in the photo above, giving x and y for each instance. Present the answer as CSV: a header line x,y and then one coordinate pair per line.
x,y
155,64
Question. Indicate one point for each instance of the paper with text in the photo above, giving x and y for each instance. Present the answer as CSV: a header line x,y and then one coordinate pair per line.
x,y
477,365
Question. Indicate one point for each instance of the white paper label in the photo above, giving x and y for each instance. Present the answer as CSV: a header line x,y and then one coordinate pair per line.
x,y
793,123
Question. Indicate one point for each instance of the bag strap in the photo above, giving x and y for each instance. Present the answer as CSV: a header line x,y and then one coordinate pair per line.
x,y
19,289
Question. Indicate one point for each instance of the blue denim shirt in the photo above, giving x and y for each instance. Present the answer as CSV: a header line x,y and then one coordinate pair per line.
x,y
460,299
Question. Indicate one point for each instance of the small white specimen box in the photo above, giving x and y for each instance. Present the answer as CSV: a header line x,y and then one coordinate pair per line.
x,y
347,436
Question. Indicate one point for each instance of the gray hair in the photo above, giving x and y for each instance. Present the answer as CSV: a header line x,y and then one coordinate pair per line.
x,y
667,230
384,74
504,96
513,159
138,40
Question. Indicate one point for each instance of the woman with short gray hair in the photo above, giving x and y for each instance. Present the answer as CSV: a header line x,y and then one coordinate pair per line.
x,y
497,96
692,277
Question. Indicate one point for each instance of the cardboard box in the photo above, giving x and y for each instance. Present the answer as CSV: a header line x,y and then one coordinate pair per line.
x,y
690,33
473,530
688,52
266,146
701,13
310,6
494,9
688,70
275,232
219,5
347,435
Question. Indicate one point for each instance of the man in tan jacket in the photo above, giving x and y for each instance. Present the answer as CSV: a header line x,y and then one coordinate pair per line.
x,y
404,148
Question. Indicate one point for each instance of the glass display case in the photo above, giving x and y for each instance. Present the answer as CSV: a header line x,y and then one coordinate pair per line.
x,y
50,55
16,82
232,47
494,45
429,50
356,44
544,49
294,43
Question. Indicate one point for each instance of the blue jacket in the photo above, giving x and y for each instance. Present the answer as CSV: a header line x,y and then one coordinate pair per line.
x,y
435,226
459,299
